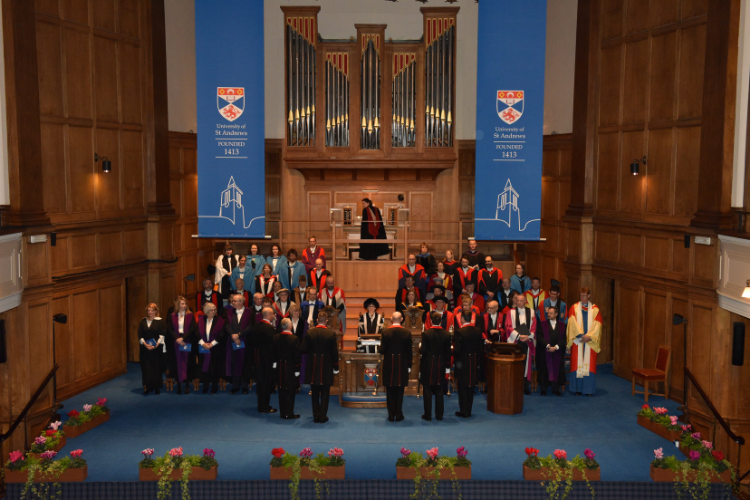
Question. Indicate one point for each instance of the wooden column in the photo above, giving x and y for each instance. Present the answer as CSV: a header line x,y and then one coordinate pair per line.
x,y
717,123
24,133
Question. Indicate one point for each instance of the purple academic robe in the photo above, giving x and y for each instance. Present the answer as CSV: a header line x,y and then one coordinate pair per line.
x,y
554,359
215,334
235,358
182,356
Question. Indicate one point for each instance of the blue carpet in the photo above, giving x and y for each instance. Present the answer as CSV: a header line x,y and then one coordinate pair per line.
x,y
243,438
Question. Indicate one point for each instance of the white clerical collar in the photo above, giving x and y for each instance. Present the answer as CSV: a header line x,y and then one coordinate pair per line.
x,y
240,311
466,269
507,292
241,291
258,308
313,249
553,322
208,293
490,269
520,309
412,268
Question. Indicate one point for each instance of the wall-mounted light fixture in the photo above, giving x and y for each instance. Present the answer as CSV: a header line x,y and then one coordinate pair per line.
x,y
635,167
746,291
106,164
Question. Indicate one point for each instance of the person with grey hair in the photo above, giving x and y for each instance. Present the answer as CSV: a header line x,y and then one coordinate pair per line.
x,y
395,347
262,342
287,358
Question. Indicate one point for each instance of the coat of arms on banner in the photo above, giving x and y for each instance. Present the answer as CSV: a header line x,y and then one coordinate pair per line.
x,y
231,102
371,375
509,105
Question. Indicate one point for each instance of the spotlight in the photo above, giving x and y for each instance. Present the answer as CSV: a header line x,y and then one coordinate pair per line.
x,y
106,164
635,167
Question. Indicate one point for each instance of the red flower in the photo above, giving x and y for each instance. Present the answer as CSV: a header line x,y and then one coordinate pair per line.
x,y
644,407
278,452
50,432
73,414
718,455
531,452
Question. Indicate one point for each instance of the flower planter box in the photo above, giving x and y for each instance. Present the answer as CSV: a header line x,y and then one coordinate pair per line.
x,y
285,473
668,476
462,473
69,476
56,448
72,431
541,474
197,474
659,429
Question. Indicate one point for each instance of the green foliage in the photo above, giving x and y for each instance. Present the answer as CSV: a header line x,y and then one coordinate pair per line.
x,y
38,467
315,465
417,461
164,466
533,462
49,444
559,471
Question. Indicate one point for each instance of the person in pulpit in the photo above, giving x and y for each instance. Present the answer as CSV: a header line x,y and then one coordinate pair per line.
x,y
441,307
182,329
322,364
210,334
435,352
426,259
370,323
535,297
265,280
372,229
476,298
311,254
276,260
476,258
242,272
550,364
334,297
151,332
519,281
416,272
404,290
319,275
225,264
286,356
520,328
492,322
463,276
395,347
299,294
584,336
281,306
240,289
503,295
289,275
262,343
237,330
209,295
489,280
554,301
468,355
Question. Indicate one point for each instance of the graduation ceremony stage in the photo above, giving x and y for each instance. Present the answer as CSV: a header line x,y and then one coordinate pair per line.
x,y
243,439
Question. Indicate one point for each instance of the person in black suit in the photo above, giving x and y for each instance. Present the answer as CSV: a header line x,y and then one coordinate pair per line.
x,y
550,354
286,355
395,347
468,354
262,342
322,364
210,334
239,324
151,332
434,365
504,296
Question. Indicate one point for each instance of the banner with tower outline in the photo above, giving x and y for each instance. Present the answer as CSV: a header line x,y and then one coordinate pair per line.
x,y
231,123
510,120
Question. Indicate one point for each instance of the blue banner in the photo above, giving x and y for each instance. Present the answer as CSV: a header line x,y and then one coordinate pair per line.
x,y
231,128
510,118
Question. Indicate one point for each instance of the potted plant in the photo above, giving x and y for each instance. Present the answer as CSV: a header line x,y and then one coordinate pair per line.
x,y
176,466
285,466
694,474
92,416
556,469
417,468
693,441
52,439
658,421
37,473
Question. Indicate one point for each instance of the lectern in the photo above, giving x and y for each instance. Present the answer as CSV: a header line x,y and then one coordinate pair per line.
x,y
505,367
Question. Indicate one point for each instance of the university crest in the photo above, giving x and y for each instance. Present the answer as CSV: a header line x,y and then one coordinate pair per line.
x,y
230,102
509,105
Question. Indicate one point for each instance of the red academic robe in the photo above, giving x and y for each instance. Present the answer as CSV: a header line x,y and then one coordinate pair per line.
x,y
446,322
265,286
531,343
318,283
309,258
489,281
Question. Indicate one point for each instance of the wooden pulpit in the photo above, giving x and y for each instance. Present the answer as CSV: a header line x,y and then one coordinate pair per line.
x,y
505,366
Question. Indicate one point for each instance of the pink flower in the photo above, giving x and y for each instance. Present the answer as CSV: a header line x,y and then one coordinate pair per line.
x,y
15,456
696,435
673,420
707,444
86,407
659,454
433,453
306,453
589,454
48,455
561,454
148,452
660,411
76,453
405,453
462,452
55,425
208,452
176,452
101,401
686,428
40,440
336,452
694,455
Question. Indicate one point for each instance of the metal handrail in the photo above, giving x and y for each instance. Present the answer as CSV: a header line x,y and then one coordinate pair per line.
x,y
28,406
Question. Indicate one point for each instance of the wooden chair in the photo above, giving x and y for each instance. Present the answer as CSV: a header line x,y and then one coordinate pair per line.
x,y
660,373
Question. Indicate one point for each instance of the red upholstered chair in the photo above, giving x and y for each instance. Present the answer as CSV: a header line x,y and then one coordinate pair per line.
x,y
660,373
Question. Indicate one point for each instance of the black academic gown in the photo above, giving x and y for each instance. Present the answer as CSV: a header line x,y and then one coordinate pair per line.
x,y
371,251
550,366
181,365
152,360
503,299
201,299
436,356
286,353
468,355
261,340
475,259
233,368
323,355
396,349
209,363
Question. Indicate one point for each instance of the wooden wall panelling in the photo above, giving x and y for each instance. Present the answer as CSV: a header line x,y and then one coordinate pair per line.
x,y
628,328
